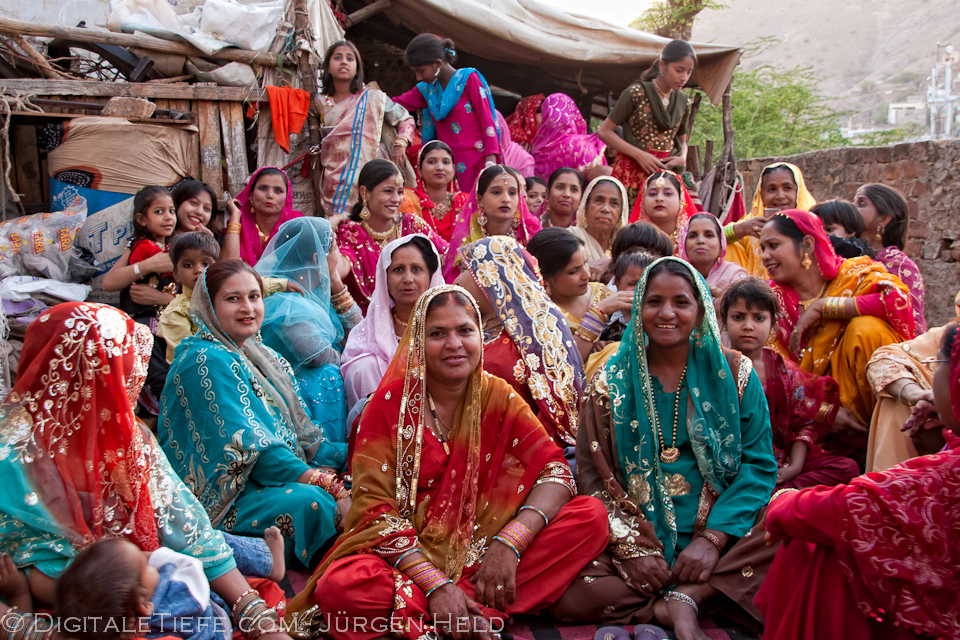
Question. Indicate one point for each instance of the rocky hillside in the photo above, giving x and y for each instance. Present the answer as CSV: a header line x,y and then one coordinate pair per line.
x,y
868,52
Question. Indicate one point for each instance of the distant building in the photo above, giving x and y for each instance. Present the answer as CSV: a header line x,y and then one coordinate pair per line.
x,y
914,111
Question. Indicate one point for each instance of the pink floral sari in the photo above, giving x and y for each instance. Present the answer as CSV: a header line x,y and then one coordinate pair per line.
x,y
562,139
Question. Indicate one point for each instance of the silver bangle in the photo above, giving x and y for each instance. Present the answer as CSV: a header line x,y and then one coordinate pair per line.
x,y
136,269
900,393
684,598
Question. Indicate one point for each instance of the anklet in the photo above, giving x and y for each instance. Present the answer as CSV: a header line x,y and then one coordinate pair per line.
x,y
684,598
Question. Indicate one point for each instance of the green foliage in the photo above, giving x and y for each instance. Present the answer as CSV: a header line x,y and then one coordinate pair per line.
x,y
673,18
775,112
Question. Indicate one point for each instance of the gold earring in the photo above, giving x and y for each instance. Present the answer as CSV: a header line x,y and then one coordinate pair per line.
x,y
364,213
879,236
806,262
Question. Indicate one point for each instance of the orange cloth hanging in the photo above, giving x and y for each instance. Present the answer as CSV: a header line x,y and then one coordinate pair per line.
x,y
288,111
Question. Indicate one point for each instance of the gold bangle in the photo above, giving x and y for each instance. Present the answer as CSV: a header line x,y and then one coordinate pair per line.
x,y
777,494
834,308
234,227
714,539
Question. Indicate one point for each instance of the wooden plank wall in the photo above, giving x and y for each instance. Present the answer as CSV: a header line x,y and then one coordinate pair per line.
x,y
219,155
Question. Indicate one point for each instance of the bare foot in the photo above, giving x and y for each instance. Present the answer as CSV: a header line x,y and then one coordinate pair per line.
x,y
680,617
274,540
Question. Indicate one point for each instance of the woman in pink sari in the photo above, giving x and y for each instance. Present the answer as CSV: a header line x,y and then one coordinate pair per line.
x,y
456,104
514,156
703,245
375,221
562,139
256,214
364,124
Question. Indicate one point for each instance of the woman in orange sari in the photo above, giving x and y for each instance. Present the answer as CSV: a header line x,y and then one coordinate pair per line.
x,y
836,312
461,525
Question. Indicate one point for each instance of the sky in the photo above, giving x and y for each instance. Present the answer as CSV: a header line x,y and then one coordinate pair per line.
x,y
619,12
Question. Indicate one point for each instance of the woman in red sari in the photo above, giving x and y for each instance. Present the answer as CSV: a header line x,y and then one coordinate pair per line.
x,y
465,524
876,558
437,197
523,122
527,341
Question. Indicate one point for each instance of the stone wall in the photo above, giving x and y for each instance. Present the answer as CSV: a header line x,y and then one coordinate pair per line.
x,y
928,174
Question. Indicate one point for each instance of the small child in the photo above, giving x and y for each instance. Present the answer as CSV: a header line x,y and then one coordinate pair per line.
x,y
191,253
840,218
113,590
536,192
803,406
154,220
14,587
627,271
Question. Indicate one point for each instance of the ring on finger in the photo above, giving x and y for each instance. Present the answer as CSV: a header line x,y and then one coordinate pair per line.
x,y
499,587
645,586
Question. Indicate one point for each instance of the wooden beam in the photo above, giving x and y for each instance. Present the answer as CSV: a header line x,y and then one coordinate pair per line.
x,y
208,120
37,57
19,27
308,76
234,146
368,11
127,89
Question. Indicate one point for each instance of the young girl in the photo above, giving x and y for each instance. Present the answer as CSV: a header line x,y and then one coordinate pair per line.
x,y
154,220
653,113
437,197
195,203
703,245
498,209
536,192
665,203
803,407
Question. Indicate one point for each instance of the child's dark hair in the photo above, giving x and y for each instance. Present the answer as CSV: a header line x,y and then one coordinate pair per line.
x,y
532,180
427,48
100,586
675,51
553,248
193,241
949,338
326,78
841,212
191,189
636,257
641,235
141,204
756,293
852,247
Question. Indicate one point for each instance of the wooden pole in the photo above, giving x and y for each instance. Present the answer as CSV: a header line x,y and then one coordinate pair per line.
x,y
308,76
726,173
45,68
18,27
368,11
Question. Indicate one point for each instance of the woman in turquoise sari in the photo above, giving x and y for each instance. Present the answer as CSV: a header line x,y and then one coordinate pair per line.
x,y
78,467
308,330
235,428
675,439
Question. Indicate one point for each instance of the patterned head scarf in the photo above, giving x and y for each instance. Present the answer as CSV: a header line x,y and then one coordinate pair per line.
x,y
713,411
509,276
523,121
585,199
71,451
687,205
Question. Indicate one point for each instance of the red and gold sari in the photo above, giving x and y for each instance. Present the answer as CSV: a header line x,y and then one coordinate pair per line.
x,y
409,494
876,558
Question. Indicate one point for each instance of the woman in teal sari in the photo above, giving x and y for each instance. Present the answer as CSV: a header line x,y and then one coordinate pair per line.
x,y
675,439
234,426
78,467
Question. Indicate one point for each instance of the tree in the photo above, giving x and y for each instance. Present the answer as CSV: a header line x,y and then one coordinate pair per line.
x,y
776,112
673,18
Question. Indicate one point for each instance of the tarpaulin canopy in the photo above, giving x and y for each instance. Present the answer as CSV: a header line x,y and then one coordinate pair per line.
x,y
574,48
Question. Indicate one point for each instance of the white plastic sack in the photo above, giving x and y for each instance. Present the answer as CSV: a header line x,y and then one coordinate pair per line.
x,y
47,238
23,287
232,74
250,26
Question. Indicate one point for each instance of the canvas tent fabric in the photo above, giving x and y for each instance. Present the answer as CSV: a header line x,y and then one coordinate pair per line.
x,y
530,33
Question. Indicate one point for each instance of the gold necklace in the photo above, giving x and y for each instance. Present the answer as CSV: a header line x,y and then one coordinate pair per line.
x,y
380,237
398,320
664,97
441,210
807,303
439,424
671,454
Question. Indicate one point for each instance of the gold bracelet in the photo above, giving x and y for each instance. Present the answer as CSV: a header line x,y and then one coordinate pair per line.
x,y
234,227
834,308
714,539
775,495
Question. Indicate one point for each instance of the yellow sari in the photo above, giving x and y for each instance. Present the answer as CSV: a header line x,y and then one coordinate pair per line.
x,y
746,251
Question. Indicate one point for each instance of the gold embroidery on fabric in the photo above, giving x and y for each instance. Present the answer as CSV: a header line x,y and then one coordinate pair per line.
x,y
676,484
